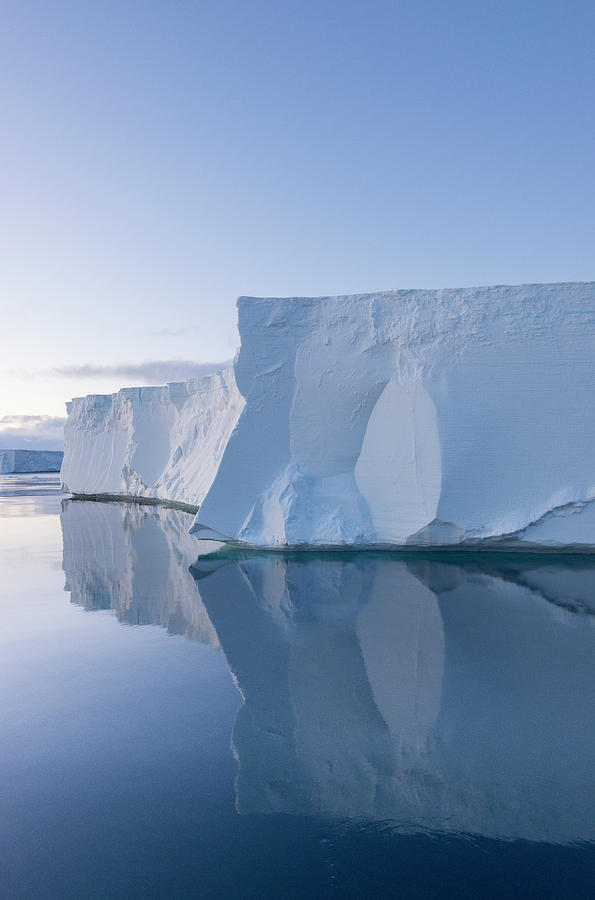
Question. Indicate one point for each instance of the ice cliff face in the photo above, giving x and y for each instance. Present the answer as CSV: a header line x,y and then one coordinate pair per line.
x,y
23,461
413,417
160,442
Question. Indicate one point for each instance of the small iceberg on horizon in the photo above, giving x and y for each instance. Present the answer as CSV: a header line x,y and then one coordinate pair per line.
x,y
21,462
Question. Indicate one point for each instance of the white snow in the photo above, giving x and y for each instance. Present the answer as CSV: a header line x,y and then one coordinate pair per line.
x,y
23,461
160,442
412,417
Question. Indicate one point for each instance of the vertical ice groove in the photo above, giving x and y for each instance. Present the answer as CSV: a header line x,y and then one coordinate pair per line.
x,y
396,470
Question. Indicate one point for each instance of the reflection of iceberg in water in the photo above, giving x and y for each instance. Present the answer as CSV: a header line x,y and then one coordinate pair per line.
x,y
134,560
325,698
431,695
424,691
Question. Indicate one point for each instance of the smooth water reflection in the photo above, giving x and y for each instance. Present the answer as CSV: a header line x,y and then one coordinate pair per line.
x,y
28,495
430,694
437,697
134,560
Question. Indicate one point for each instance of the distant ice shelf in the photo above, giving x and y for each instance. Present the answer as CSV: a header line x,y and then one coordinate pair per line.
x,y
24,461
458,418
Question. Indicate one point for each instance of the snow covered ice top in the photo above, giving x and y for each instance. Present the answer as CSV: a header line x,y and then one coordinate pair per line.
x,y
412,417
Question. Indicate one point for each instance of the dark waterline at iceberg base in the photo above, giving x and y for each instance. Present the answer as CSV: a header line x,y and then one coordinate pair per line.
x,y
358,725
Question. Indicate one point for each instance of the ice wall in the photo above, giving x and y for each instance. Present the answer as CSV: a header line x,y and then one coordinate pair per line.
x,y
413,417
23,461
160,442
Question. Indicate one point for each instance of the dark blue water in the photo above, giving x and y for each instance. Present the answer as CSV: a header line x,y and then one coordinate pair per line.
x,y
348,725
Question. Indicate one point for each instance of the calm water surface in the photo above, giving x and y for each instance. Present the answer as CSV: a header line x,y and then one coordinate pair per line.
x,y
348,725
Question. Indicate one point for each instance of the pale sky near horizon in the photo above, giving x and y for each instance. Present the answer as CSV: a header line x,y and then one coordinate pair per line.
x,y
161,158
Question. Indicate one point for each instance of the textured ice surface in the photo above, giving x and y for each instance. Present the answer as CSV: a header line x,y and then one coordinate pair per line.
x,y
413,417
161,442
23,461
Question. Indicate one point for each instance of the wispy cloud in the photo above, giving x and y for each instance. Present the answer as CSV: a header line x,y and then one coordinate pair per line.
x,y
158,371
31,432
177,332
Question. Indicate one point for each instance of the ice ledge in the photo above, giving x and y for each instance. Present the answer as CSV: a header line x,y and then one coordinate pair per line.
x,y
135,498
562,529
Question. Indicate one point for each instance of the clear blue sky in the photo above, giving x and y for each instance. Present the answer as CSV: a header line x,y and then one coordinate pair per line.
x,y
160,158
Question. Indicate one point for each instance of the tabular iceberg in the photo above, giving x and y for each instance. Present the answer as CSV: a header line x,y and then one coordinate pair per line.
x,y
154,442
22,461
412,418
